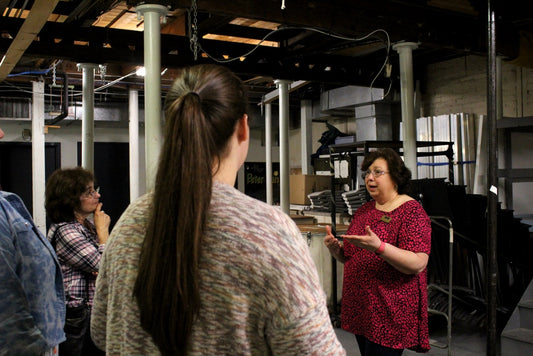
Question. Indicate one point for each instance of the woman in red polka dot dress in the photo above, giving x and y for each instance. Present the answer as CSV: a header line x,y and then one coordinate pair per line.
x,y
385,253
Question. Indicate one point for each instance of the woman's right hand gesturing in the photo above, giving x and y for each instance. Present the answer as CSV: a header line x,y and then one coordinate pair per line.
x,y
334,246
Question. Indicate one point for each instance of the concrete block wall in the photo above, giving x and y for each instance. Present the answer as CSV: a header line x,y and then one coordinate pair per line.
x,y
460,85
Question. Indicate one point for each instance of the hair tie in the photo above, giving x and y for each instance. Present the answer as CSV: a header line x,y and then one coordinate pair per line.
x,y
193,93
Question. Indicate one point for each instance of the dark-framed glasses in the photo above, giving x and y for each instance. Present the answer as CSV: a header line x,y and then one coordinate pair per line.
x,y
376,173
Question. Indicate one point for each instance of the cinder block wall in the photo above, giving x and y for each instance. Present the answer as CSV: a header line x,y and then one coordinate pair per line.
x,y
460,85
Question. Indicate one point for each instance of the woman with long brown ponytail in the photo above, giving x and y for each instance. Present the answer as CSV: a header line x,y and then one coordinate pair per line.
x,y
198,268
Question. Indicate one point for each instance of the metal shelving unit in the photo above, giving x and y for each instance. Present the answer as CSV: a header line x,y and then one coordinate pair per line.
x,y
449,292
511,175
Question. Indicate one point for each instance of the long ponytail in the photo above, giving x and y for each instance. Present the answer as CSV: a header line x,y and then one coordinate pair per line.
x,y
202,109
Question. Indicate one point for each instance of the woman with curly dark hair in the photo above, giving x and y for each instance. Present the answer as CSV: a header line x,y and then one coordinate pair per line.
x,y
71,199
385,253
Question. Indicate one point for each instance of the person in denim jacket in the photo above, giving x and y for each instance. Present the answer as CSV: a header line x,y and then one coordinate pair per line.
x,y
32,307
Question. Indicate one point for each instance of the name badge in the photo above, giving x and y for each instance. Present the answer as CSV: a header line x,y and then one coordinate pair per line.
x,y
386,219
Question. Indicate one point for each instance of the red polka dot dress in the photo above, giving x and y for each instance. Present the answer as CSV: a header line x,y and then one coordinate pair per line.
x,y
379,302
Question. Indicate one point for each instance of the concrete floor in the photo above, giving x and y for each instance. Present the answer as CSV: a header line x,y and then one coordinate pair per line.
x,y
466,341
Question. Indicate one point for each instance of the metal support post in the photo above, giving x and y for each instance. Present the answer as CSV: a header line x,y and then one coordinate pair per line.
x,y
37,156
133,113
283,86
405,50
492,187
306,136
152,84
268,153
87,128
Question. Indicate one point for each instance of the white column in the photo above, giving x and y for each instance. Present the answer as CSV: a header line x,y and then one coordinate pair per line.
x,y
37,156
405,50
283,87
134,143
87,128
306,113
268,153
152,87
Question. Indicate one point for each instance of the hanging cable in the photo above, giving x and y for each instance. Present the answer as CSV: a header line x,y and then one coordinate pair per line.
x,y
195,45
298,28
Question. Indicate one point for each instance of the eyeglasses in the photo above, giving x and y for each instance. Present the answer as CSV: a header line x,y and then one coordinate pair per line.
x,y
92,192
376,173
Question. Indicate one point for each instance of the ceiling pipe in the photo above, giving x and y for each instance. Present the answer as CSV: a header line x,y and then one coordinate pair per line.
x,y
64,103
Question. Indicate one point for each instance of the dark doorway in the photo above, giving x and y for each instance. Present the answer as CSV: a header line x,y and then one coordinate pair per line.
x,y
16,168
111,170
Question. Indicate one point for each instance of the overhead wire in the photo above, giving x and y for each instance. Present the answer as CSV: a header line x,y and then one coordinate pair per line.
x,y
196,45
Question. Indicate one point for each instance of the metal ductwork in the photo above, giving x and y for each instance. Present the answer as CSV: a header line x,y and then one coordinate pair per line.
x,y
341,102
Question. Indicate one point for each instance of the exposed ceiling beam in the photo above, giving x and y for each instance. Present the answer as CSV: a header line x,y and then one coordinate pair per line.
x,y
59,41
430,26
31,27
350,18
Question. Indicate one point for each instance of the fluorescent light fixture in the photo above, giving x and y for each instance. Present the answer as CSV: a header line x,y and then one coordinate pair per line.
x,y
141,72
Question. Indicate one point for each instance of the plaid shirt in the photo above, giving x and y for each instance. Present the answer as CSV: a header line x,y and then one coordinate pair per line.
x,y
79,255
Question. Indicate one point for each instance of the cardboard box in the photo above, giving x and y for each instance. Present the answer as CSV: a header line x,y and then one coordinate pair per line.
x,y
302,185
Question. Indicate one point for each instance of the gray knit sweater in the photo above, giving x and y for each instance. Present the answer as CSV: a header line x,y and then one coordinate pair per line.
x,y
260,292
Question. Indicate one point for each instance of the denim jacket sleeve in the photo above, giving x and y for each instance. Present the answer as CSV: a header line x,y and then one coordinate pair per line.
x,y
31,292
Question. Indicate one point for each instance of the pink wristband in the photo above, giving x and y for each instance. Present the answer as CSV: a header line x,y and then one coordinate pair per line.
x,y
380,249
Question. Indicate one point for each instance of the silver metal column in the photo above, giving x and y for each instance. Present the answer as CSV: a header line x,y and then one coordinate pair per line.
x,y
152,87
37,156
87,128
306,136
268,153
283,87
405,50
133,113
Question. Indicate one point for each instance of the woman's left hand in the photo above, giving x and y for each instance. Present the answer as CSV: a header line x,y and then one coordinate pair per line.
x,y
370,241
